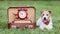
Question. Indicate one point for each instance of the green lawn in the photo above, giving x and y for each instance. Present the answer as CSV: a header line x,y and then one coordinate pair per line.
x,y
54,6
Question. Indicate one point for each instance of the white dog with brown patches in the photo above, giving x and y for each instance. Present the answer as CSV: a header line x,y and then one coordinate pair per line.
x,y
45,21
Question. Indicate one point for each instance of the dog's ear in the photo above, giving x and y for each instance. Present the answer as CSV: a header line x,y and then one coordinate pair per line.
x,y
41,11
49,11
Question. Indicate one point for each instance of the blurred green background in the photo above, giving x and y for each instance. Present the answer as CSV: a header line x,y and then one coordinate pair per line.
x,y
54,6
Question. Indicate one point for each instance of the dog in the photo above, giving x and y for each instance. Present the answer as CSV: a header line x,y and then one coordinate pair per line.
x,y
45,21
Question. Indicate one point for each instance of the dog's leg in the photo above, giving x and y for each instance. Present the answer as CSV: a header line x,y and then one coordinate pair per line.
x,y
41,27
49,27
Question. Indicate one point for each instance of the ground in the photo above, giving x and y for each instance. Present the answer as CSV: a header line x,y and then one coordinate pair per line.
x,y
54,6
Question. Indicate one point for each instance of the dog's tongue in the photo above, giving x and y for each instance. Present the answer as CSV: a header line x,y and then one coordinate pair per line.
x,y
46,22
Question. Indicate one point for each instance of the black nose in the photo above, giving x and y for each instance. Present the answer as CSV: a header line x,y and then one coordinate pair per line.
x,y
44,18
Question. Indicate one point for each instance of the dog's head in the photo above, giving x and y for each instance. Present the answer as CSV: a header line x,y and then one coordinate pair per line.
x,y
45,15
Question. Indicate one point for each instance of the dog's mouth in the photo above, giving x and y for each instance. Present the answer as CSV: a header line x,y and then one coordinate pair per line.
x,y
46,22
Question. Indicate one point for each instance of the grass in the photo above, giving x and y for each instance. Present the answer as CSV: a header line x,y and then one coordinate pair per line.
x,y
54,6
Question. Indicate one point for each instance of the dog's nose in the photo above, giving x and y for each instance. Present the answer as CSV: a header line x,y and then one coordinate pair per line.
x,y
44,18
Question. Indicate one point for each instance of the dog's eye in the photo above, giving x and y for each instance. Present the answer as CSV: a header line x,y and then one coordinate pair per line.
x,y
43,14
47,14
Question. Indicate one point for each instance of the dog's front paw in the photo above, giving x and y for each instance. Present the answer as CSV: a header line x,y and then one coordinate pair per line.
x,y
42,28
50,28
